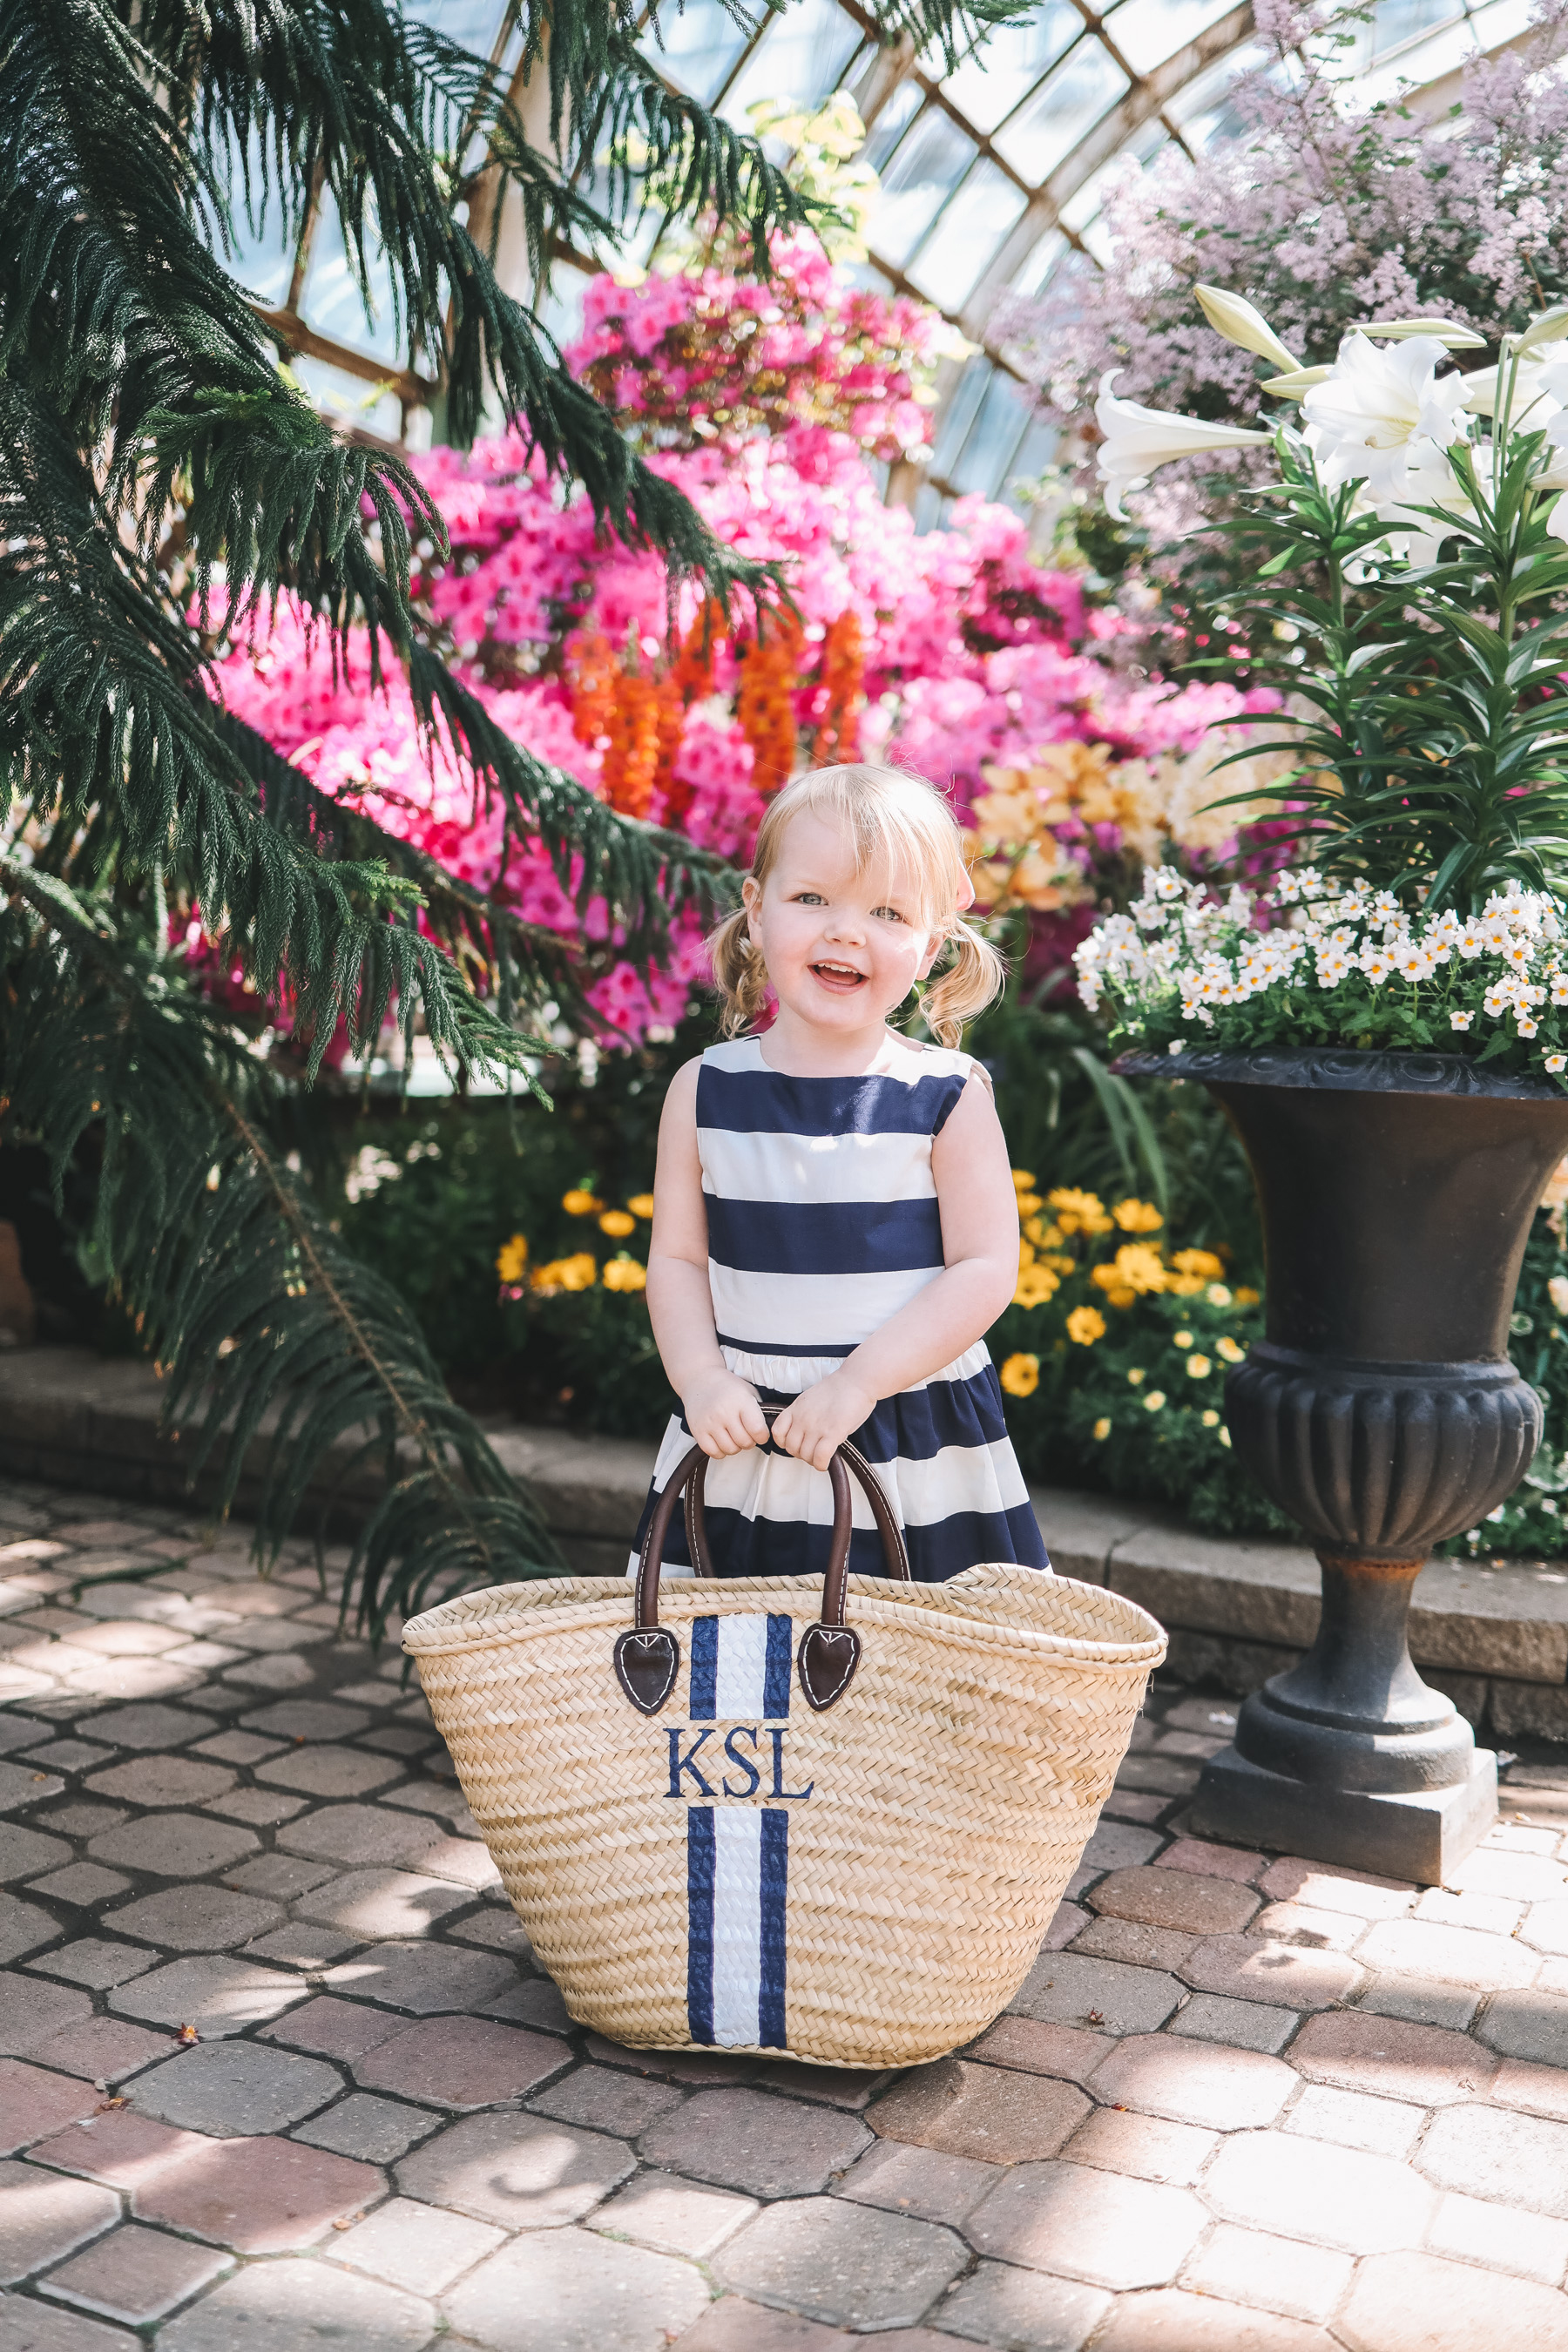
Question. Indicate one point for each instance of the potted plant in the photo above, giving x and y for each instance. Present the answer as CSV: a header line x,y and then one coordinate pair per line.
x,y
1385,1026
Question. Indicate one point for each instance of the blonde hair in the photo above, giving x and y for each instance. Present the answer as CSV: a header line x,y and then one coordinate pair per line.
x,y
899,821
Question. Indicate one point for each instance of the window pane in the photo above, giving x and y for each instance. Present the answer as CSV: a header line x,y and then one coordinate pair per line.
x,y
966,240
891,125
695,47
332,302
929,165
930,507
261,259
474,23
994,438
1061,114
994,78
957,413
801,55
1042,261
1033,455
1147,32
1394,21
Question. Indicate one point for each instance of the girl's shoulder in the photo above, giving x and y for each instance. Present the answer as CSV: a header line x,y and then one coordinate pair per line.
x,y
920,1059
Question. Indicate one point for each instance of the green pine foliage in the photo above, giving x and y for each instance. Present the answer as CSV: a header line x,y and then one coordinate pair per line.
x,y
161,480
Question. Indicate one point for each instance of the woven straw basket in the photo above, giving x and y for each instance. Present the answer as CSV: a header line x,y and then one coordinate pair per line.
x,y
735,1820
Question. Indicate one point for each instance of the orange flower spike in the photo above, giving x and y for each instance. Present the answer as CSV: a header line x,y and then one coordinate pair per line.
x,y
670,717
764,702
631,762
843,670
592,673
693,668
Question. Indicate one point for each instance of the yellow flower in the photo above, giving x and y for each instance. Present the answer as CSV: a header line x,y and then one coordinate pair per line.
x,y
1218,1294
1180,1339
1026,1254
1035,1284
1079,1212
1137,1375
1136,1267
1229,1351
618,1225
1138,1216
1102,1429
1069,1265
1198,1367
1246,1296
1049,1237
1210,1419
1085,1325
624,1273
578,1203
1023,1179
1027,1203
579,1271
513,1258
641,1204
1021,1375
1201,1263
1154,1400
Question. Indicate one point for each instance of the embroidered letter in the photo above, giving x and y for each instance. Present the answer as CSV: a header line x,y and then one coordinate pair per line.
x,y
679,1763
753,1777
778,1789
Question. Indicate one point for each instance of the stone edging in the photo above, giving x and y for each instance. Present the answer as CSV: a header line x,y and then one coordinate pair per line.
x,y
1496,1639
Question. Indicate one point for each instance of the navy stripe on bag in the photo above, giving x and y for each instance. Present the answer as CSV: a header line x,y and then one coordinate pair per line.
x,y
737,1900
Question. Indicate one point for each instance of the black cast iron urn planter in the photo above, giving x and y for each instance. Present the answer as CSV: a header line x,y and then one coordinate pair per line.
x,y
1383,1413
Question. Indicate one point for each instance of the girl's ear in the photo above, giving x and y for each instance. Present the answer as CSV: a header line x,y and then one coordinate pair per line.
x,y
750,894
938,941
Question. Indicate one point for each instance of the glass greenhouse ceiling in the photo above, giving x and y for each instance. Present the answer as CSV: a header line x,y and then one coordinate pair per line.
x,y
989,175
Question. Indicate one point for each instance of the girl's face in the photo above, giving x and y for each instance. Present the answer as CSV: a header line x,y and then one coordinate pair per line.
x,y
843,949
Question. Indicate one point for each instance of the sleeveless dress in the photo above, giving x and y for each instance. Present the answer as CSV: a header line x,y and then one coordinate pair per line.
x,y
823,1222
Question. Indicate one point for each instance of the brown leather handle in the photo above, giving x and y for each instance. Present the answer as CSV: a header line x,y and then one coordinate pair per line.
x,y
648,1657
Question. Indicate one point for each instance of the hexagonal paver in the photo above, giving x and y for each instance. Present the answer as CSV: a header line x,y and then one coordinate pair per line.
x,y
23,1927
1070,1988
29,2326
174,1845
1101,2227
1147,2147
460,2062
330,1771
146,1727
522,2172
101,2048
121,2148
1203,1905
134,2274
846,2265
993,2113
34,2103
1515,2158
258,2196
1527,2025
33,2011
999,2305
416,2246
425,1978
231,2089
162,1781
47,2215
377,2131
372,1835
1336,2197
297,2307
82,1884
606,2098
674,2217
1418,2303
372,1904
1425,2065
1252,1968
306,1719
750,2141
217,1995
195,1919
568,2291
1191,2083
25,1854
96,1960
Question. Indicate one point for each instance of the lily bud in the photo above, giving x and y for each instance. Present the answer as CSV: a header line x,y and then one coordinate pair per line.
x,y
1549,328
1398,330
1232,316
1298,382
1137,439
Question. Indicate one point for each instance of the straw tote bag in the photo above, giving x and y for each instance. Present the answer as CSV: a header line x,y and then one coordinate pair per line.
x,y
731,1814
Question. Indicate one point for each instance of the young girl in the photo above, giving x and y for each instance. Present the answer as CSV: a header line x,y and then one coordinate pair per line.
x,y
834,1222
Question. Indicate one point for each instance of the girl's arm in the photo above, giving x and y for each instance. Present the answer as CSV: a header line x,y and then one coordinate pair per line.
x,y
722,1410
980,1244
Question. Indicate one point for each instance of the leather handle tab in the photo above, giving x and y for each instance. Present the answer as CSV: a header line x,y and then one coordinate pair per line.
x,y
648,1658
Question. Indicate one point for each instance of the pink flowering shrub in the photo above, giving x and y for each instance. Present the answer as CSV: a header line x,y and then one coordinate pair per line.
x,y
954,652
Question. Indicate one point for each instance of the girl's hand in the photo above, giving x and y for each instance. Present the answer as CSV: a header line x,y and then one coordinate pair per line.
x,y
724,1415
815,1425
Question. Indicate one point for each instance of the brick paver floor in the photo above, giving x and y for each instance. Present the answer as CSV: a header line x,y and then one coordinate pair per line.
x,y
276,2067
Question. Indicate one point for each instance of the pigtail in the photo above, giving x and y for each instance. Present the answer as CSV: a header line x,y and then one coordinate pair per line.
x,y
972,981
739,975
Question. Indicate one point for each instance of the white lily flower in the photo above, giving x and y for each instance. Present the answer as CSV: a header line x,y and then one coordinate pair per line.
x,y
1232,316
1429,481
1373,405
1137,439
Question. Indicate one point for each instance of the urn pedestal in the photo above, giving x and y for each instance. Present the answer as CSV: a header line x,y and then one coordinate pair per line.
x,y
1382,1412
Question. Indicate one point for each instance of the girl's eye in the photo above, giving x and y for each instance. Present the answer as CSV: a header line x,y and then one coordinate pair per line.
x,y
809,898
888,914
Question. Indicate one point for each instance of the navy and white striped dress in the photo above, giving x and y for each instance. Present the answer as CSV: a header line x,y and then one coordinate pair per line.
x,y
823,1222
